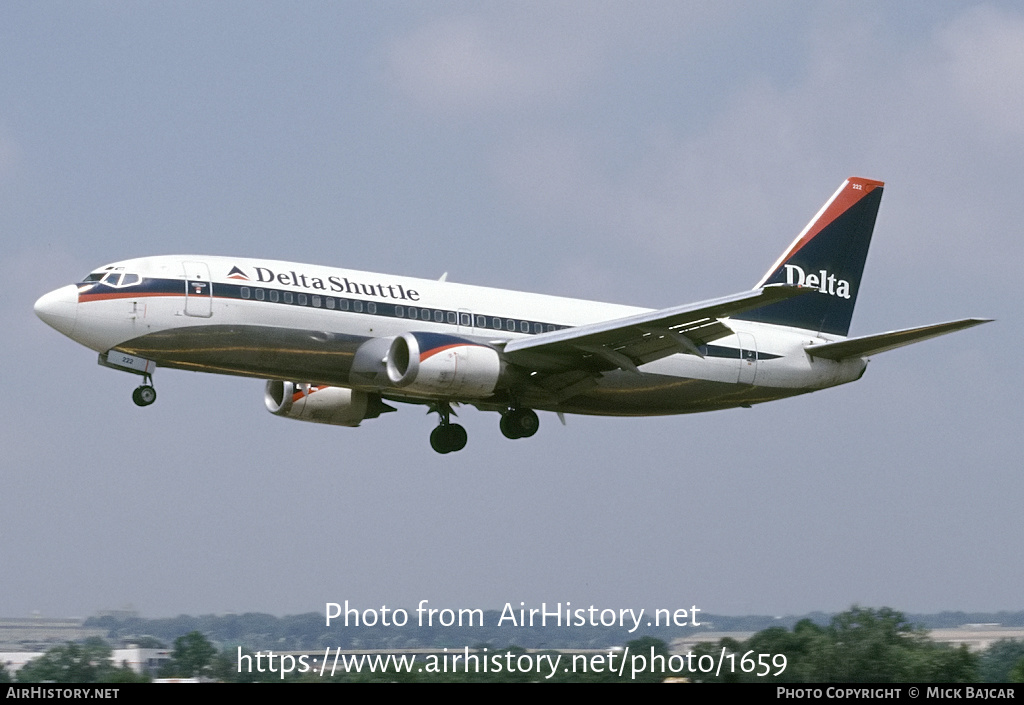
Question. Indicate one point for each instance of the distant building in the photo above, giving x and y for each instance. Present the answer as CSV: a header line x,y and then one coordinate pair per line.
x,y
13,660
142,661
42,633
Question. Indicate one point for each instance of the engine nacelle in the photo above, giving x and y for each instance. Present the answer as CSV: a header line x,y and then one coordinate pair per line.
x,y
429,364
434,363
331,405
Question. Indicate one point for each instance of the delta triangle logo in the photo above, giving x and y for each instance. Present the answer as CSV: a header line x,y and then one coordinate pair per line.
x,y
237,273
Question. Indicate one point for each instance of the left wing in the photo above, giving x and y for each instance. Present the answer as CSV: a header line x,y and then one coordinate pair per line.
x,y
628,342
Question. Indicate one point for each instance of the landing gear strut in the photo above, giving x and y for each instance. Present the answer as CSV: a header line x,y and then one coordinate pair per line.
x,y
519,423
447,437
145,394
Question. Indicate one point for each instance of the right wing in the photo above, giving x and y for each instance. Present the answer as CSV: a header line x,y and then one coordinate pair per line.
x,y
626,343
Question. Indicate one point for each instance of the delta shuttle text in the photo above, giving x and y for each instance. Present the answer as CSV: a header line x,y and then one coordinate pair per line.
x,y
333,283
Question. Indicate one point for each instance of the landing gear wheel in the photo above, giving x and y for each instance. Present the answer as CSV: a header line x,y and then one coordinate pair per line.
x,y
438,440
457,437
144,395
507,430
519,423
448,438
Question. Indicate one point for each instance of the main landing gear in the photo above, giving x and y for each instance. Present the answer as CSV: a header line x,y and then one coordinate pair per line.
x,y
447,437
145,394
519,423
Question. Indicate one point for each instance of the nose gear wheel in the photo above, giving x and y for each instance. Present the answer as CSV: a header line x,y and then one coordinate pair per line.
x,y
144,394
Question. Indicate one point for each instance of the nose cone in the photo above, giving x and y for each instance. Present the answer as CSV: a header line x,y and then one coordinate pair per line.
x,y
59,308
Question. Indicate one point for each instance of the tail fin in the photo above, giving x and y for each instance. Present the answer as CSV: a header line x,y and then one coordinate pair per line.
x,y
828,256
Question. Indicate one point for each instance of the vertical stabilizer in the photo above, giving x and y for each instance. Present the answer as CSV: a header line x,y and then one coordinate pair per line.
x,y
828,256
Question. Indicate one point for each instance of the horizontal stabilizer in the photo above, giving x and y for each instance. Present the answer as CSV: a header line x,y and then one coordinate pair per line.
x,y
871,344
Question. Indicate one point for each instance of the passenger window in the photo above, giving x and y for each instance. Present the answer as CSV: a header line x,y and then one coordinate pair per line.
x,y
343,304
465,319
496,323
245,292
316,302
510,324
439,316
452,318
357,306
413,313
330,302
302,299
524,326
400,311
481,321
274,295
288,297
260,294
371,307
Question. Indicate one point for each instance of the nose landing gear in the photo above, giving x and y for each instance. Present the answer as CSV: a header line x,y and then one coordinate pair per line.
x,y
144,394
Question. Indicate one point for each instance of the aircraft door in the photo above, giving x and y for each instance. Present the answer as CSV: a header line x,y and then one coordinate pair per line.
x,y
748,358
198,289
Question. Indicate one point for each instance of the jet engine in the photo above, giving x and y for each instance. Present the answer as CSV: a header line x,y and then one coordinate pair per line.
x,y
331,405
428,364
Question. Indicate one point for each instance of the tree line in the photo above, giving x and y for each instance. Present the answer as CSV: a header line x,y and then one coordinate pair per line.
x,y
860,645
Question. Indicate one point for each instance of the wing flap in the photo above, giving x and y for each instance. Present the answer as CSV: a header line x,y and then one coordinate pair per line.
x,y
634,340
881,342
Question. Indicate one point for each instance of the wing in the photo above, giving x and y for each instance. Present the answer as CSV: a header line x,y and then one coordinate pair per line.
x,y
628,342
871,344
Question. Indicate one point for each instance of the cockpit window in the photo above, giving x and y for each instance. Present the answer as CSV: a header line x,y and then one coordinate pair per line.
x,y
115,279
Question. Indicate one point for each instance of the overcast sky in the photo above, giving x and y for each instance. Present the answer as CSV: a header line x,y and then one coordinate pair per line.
x,y
643,153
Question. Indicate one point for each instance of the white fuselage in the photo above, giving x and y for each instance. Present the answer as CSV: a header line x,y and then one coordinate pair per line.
x,y
303,323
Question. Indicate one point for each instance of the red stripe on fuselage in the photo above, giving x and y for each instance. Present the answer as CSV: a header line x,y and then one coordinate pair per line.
x,y
82,298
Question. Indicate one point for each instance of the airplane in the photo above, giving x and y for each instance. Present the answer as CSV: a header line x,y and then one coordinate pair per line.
x,y
337,345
